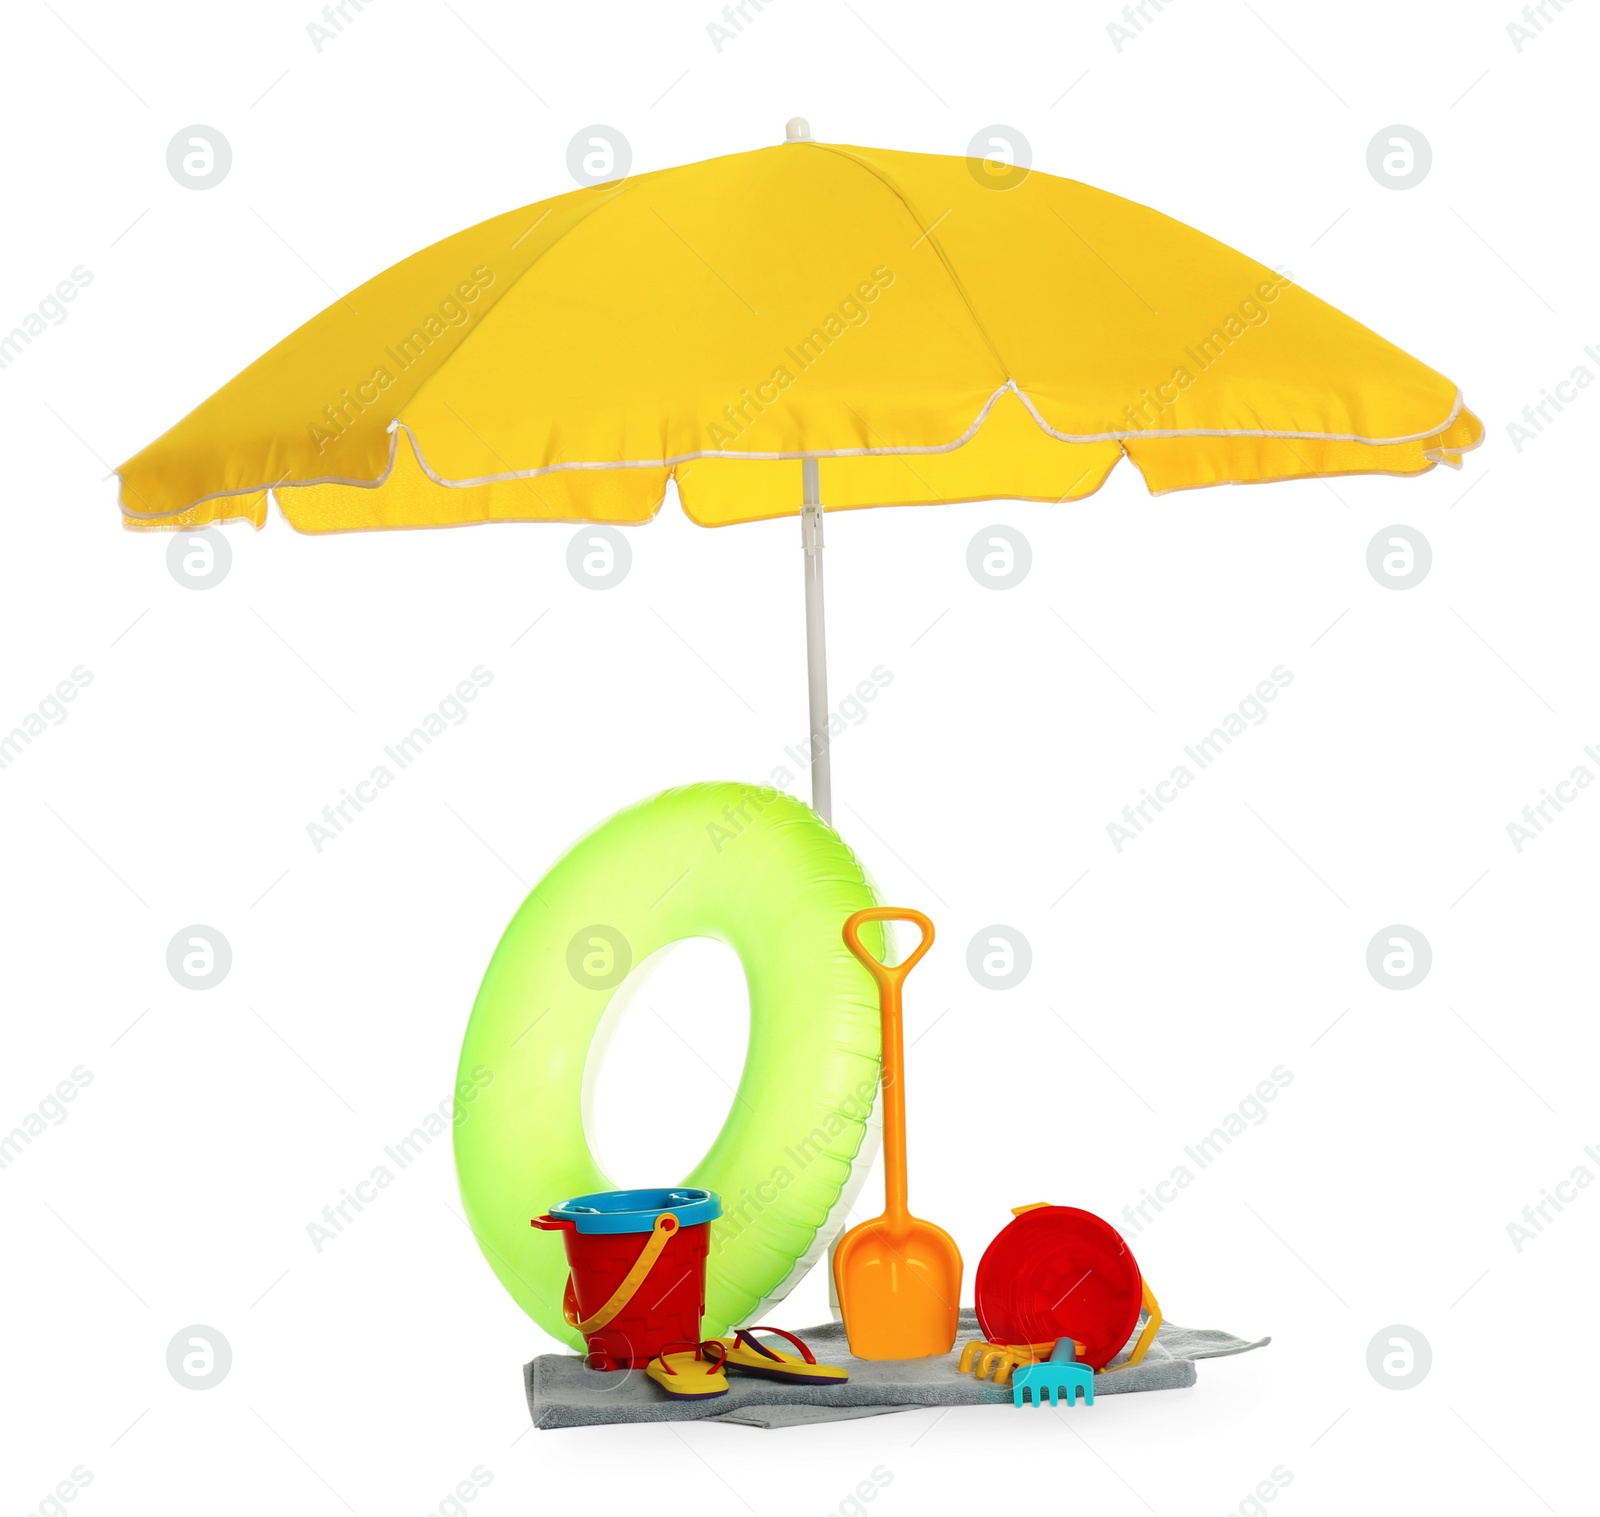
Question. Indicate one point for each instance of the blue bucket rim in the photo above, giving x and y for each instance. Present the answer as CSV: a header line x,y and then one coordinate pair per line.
x,y
635,1211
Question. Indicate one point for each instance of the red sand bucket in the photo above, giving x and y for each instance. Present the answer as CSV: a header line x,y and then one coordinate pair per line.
x,y
1058,1272
638,1269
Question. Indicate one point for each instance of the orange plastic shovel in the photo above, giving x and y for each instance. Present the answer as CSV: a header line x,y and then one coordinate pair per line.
x,y
899,1278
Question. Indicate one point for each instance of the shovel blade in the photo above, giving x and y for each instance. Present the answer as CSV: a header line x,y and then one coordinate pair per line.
x,y
899,1289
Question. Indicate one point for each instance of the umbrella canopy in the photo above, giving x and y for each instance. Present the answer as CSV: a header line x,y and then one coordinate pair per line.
x,y
774,330
927,330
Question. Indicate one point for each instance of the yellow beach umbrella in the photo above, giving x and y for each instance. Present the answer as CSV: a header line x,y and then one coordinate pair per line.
x,y
777,329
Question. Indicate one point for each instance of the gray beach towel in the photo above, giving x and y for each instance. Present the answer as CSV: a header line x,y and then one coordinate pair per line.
x,y
563,1392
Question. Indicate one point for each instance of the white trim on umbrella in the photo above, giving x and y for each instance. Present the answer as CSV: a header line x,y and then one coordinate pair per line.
x,y
397,426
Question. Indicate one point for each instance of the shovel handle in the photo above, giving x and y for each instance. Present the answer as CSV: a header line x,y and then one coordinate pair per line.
x,y
889,976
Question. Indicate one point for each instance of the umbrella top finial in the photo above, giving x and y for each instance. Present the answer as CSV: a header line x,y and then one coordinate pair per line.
x,y
797,130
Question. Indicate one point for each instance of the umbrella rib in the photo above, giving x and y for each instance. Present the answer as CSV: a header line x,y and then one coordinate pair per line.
x,y
444,363
926,231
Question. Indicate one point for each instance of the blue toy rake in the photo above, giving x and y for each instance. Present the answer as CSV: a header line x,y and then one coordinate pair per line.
x,y
1060,1373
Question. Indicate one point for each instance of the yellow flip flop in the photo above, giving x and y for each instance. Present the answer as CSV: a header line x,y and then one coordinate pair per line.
x,y
748,1357
680,1376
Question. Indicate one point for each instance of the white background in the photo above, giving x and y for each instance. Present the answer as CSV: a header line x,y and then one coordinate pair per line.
x,y
1230,938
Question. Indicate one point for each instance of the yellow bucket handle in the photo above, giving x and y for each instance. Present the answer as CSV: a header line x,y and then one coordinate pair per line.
x,y
660,1235
1152,1326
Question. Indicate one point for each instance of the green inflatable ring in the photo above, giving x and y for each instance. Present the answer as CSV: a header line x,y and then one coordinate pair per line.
x,y
753,868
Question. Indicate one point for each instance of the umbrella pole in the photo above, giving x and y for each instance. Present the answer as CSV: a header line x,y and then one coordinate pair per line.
x,y
817,689
816,642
